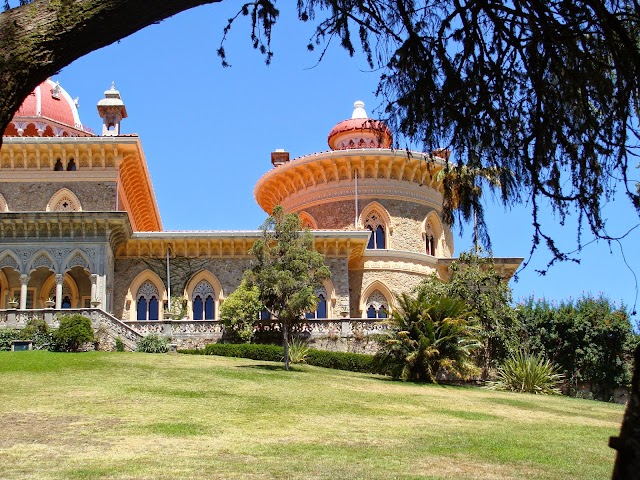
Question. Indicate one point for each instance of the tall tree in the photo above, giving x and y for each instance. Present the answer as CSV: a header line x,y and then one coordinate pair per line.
x,y
474,280
287,271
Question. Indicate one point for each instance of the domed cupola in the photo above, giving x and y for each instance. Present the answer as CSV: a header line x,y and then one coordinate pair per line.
x,y
48,111
359,131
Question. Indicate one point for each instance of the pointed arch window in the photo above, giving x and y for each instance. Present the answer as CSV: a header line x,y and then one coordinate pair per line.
x,y
147,304
377,305
58,167
203,305
321,307
375,224
71,166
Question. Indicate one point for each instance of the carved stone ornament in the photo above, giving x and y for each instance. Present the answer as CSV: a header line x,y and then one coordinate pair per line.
x,y
377,300
148,290
204,289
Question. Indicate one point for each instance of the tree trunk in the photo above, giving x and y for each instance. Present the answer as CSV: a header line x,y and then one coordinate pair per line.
x,y
40,38
285,344
627,464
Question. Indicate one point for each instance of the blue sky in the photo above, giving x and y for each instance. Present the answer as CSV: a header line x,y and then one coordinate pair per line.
x,y
207,132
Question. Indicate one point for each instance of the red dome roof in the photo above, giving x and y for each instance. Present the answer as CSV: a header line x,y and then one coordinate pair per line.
x,y
359,131
49,103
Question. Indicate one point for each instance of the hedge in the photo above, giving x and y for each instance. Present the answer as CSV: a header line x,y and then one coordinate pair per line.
x,y
353,362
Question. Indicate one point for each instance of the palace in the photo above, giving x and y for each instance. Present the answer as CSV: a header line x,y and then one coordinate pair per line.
x,y
80,227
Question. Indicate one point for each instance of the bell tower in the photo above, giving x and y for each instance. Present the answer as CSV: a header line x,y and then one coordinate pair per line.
x,y
112,110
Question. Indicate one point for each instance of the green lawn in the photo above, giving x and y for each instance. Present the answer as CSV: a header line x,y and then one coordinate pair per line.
x,y
143,416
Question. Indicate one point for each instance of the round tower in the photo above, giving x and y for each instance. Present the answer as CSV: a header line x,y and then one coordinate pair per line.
x,y
364,184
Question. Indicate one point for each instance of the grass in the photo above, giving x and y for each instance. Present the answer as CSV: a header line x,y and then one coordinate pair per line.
x,y
144,416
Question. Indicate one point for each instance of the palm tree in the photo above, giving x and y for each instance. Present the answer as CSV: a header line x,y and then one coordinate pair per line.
x,y
430,337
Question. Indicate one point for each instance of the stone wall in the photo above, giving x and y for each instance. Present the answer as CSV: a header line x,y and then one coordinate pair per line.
x,y
30,197
406,221
228,271
396,282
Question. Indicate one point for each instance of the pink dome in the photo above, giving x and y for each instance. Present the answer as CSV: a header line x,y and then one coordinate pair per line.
x,y
359,131
49,104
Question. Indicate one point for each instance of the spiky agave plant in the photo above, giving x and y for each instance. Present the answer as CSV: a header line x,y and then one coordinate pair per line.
x,y
528,373
298,351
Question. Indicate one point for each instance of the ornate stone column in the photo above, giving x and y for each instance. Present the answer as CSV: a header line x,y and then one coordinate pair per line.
x,y
59,282
94,288
24,280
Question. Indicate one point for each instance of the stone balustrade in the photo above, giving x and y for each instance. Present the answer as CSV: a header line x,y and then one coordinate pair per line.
x,y
331,334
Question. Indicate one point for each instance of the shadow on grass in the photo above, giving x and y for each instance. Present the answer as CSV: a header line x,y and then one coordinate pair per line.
x,y
269,367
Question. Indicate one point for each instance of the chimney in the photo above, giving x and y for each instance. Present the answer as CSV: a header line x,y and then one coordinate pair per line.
x,y
279,157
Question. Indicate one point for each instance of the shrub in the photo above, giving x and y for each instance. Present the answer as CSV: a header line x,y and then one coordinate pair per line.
x,y
240,311
119,345
298,351
38,332
153,343
354,362
590,340
73,332
527,374
270,353
7,335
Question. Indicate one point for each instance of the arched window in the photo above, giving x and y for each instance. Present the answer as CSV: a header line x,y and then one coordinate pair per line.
x,y
321,307
321,311
376,223
141,308
377,306
153,308
204,301
380,243
434,237
58,167
147,302
66,302
71,166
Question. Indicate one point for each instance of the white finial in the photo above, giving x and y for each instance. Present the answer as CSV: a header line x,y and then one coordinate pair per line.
x,y
113,85
358,110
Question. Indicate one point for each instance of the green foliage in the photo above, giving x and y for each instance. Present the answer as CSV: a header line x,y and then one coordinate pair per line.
x,y
354,362
240,310
298,351
153,343
287,271
475,281
526,373
270,353
430,337
39,332
8,335
73,332
119,345
35,330
591,340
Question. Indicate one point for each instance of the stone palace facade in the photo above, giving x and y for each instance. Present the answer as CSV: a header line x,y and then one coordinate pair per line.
x,y
80,228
